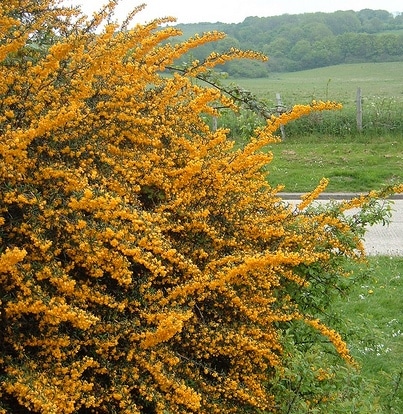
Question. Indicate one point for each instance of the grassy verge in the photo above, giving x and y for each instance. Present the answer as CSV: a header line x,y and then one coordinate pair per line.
x,y
372,313
368,315
357,164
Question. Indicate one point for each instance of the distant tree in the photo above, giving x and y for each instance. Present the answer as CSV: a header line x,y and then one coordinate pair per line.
x,y
246,69
278,47
357,47
225,44
341,22
380,16
314,32
293,33
302,52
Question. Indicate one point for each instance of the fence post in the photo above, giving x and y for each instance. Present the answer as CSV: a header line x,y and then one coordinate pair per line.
x,y
280,109
359,109
214,123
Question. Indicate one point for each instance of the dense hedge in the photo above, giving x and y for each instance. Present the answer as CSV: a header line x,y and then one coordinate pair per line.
x,y
146,266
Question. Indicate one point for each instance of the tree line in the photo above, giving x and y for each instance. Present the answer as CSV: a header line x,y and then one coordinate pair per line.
x,y
306,41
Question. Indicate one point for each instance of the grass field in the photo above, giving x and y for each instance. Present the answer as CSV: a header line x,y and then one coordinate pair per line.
x,y
372,314
358,165
368,315
336,83
328,144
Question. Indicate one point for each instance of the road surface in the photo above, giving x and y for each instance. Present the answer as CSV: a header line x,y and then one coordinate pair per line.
x,y
379,239
387,240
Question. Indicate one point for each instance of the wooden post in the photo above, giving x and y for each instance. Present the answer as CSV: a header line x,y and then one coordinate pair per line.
x,y
280,109
215,123
359,109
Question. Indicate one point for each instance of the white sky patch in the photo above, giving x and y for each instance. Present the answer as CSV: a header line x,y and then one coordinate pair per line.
x,y
233,11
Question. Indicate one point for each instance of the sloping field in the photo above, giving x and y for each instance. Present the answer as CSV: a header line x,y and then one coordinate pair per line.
x,y
337,83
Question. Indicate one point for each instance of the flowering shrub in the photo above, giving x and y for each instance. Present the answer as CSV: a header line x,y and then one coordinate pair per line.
x,y
146,265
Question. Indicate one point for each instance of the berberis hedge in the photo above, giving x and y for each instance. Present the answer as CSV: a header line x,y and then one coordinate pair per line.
x,y
146,265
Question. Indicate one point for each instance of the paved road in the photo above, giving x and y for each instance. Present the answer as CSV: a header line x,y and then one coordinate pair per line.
x,y
387,240
379,239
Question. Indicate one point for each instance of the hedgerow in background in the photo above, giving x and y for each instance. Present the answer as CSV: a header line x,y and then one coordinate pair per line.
x,y
146,265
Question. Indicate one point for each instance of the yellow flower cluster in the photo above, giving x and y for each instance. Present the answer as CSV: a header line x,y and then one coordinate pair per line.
x,y
334,337
307,199
168,326
10,258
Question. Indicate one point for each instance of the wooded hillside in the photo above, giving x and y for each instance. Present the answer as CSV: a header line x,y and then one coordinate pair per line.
x,y
306,41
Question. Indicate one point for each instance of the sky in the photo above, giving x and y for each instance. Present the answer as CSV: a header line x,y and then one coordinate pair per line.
x,y
233,11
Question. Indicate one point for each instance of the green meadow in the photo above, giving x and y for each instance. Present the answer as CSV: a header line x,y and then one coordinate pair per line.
x,y
369,317
359,164
336,83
